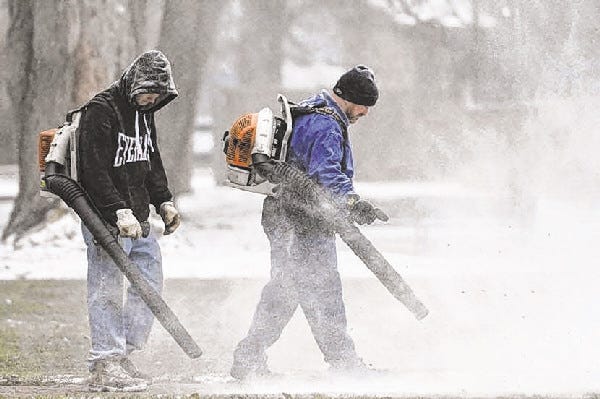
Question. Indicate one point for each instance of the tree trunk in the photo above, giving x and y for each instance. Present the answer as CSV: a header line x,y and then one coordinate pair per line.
x,y
28,206
7,150
259,51
77,50
146,18
191,22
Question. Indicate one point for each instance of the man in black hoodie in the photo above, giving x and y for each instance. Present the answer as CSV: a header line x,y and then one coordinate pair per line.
x,y
122,172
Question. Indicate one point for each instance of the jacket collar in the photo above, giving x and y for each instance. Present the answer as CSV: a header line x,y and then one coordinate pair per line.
x,y
333,104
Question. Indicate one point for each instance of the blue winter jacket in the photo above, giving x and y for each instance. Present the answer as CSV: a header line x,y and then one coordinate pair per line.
x,y
319,148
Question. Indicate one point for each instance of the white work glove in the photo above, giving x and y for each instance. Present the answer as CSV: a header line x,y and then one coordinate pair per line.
x,y
128,224
169,215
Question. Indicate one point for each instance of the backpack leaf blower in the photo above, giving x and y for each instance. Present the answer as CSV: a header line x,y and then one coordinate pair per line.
x,y
256,152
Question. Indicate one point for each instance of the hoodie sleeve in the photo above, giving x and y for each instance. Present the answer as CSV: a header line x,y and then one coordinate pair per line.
x,y
156,180
97,160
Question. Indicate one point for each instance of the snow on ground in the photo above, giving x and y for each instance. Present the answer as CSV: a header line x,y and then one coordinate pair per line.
x,y
512,290
221,234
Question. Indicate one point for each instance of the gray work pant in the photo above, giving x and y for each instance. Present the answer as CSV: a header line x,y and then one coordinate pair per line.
x,y
118,327
303,272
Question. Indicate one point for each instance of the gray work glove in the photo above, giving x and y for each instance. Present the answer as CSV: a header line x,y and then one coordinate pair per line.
x,y
170,215
128,224
363,212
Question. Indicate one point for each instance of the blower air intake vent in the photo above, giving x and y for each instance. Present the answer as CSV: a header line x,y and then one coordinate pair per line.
x,y
44,140
241,140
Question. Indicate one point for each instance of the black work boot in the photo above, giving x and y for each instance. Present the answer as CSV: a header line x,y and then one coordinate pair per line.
x,y
355,368
243,368
239,371
346,366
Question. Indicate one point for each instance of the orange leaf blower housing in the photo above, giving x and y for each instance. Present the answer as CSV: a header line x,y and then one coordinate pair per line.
x,y
241,141
253,140
44,140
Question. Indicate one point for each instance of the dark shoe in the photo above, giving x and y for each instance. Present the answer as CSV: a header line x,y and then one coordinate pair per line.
x,y
349,366
243,372
132,370
263,371
239,372
356,368
109,376
248,361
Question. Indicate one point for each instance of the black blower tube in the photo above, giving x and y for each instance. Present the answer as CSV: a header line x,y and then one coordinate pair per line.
x,y
281,172
74,196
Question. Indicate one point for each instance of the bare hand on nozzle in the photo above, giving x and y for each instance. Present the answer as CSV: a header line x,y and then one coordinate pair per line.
x,y
170,215
128,225
363,212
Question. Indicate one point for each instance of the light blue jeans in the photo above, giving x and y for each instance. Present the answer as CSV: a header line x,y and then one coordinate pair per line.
x,y
118,328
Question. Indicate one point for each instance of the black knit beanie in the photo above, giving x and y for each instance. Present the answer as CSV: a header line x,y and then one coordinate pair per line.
x,y
358,86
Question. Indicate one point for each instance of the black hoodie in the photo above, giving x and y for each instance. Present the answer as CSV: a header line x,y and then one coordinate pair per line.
x,y
119,161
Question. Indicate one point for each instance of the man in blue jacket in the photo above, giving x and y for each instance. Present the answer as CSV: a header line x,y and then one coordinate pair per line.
x,y
303,253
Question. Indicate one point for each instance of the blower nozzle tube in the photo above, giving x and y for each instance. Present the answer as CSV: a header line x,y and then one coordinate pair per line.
x,y
281,172
75,197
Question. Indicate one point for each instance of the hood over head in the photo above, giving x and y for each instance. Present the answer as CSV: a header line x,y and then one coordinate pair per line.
x,y
149,73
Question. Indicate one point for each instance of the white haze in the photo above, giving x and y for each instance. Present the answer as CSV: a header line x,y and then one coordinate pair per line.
x,y
502,247
511,291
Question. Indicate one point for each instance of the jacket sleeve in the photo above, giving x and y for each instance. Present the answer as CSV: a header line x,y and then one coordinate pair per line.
x,y
156,179
325,160
97,160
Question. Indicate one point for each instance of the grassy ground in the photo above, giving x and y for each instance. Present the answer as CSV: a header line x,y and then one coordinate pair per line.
x,y
44,339
486,336
44,328
44,336
41,333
